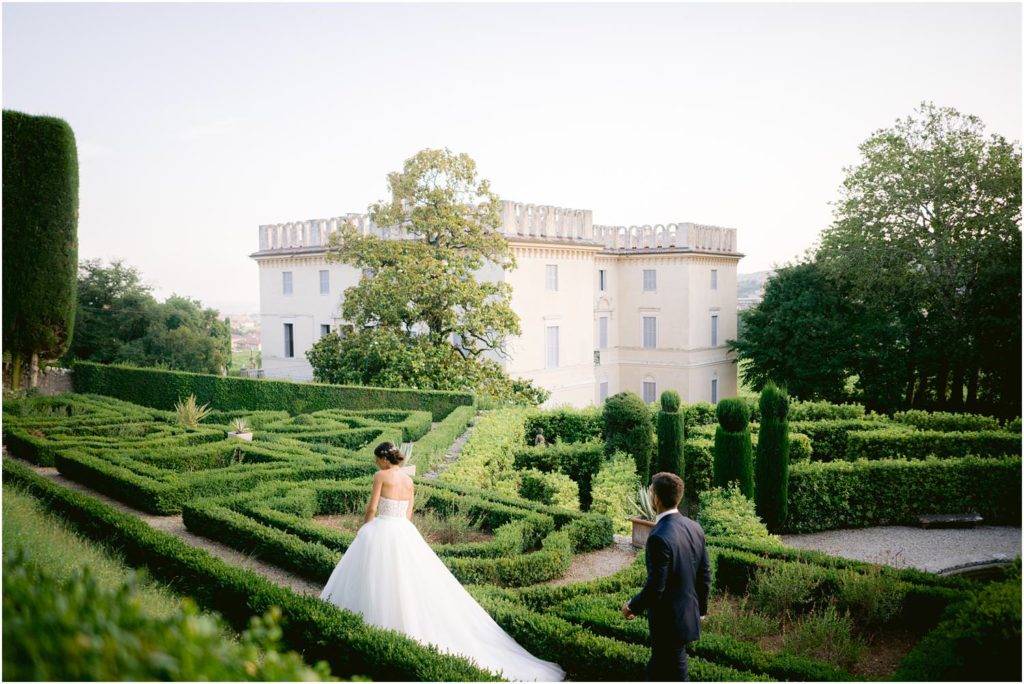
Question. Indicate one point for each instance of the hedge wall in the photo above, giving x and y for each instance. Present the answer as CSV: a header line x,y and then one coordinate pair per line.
x,y
40,237
897,443
162,388
826,496
580,461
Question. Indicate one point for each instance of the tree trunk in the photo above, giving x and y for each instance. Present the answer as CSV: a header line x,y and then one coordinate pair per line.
x,y
15,372
921,396
33,370
910,388
941,381
956,387
972,389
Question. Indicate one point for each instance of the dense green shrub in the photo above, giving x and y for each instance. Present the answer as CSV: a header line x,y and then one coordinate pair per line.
x,y
893,443
564,424
829,437
73,629
1014,426
824,410
825,635
772,465
627,427
553,489
321,631
800,449
978,640
487,458
826,496
943,421
161,388
671,458
727,513
786,589
699,413
733,458
871,599
581,461
614,487
40,238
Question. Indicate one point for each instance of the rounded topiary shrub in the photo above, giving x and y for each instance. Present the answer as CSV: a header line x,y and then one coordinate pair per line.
x,y
627,427
670,436
733,458
772,473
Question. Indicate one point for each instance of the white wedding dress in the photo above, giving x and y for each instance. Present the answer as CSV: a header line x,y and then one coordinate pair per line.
x,y
392,577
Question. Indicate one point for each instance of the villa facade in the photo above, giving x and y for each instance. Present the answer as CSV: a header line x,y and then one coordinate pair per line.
x,y
603,309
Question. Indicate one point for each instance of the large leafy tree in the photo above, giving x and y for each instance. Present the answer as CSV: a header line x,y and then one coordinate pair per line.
x,y
914,291
119,321
421,316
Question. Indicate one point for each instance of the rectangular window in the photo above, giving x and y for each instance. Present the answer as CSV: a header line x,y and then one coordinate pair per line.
x,y
602,332
602,391
325,329
325,282
650,391
650,332
650,280
551,277
714,279
286,282
289,341
551,345
714,330
714,390
602,280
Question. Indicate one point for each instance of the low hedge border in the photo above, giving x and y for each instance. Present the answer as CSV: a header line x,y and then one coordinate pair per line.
x,y
827,496
580,461
916,444
431,448
317,629
162,388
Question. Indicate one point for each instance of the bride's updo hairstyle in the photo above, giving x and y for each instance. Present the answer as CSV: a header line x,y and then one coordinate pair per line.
x,y
389,452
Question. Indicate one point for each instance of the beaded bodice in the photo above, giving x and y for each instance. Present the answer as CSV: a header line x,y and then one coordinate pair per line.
x,y
392,508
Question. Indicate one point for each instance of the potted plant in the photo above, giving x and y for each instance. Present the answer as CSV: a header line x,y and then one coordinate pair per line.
x,y
409,468
643,521
240,430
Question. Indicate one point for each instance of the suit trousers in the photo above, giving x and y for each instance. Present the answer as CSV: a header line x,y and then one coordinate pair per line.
x,y
668,663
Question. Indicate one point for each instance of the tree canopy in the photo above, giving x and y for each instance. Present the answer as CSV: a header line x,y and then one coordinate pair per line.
x,y
915,289
422,316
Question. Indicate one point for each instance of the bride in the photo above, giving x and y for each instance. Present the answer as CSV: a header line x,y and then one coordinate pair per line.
x,y
391,577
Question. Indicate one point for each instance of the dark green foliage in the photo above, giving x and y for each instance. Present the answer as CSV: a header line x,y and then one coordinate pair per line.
x,y
901,443
829,438
580,461
567,425
727,513
119,321
317,629
627,428
161,389
670,437
978,640
772,472
826,496
946,422
733,458
40,238
74,629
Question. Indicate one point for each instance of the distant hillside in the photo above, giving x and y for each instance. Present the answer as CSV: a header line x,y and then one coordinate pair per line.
x,y
750,286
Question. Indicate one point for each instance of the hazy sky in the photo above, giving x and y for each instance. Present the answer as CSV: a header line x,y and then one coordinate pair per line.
x,y
197,123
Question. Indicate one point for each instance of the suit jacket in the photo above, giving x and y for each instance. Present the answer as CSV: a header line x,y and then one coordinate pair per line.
x,y
678,581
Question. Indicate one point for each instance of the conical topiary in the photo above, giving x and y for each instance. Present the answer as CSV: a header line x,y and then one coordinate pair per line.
x,y
733,457
772,471
627,427
670,436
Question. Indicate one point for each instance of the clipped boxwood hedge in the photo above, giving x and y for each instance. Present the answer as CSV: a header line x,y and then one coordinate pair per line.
x,y
946,422
826,496
162,388
581,461
318,629
890,443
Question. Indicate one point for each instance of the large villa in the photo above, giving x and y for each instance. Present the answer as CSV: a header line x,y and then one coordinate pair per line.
x,y
603,309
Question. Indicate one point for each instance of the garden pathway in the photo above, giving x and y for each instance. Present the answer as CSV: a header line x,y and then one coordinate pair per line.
x,y
600,563
451,455
931,550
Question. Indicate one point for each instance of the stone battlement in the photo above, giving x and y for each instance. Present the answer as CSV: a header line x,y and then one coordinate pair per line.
x,y
521,220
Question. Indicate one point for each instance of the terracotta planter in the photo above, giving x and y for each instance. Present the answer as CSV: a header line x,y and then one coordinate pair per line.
x,y
641,530
409,470
244,436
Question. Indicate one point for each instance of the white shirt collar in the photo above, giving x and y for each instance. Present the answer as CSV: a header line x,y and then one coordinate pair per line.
x,y
657,518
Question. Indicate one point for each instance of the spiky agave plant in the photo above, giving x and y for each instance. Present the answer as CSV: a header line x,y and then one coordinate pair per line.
x,y
190,413
642,505
239,425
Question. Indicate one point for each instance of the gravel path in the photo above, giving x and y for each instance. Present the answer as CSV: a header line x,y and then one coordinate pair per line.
x,y
931,550
452,454
597,564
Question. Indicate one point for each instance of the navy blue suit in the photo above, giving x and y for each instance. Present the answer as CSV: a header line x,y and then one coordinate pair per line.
x,y
675,595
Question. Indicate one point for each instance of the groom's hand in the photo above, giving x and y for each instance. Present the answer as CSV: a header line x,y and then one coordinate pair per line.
x,y
626,612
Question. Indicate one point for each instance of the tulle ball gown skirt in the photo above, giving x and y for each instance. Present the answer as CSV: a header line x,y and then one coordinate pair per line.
x,y
392,577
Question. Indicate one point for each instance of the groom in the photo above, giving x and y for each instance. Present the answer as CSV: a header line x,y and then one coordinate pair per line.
x,y
678,582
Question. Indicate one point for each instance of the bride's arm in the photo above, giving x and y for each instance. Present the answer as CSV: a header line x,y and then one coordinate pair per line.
x,y
412,503
371,506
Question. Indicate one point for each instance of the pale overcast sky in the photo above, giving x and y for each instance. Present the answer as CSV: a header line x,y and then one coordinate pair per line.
x,y
197,123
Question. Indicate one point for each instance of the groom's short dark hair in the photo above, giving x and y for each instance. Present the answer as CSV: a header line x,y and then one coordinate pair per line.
x,y
668,487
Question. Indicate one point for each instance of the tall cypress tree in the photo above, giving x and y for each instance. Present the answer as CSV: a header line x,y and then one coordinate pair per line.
x,y
772,469
733,455
670,436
